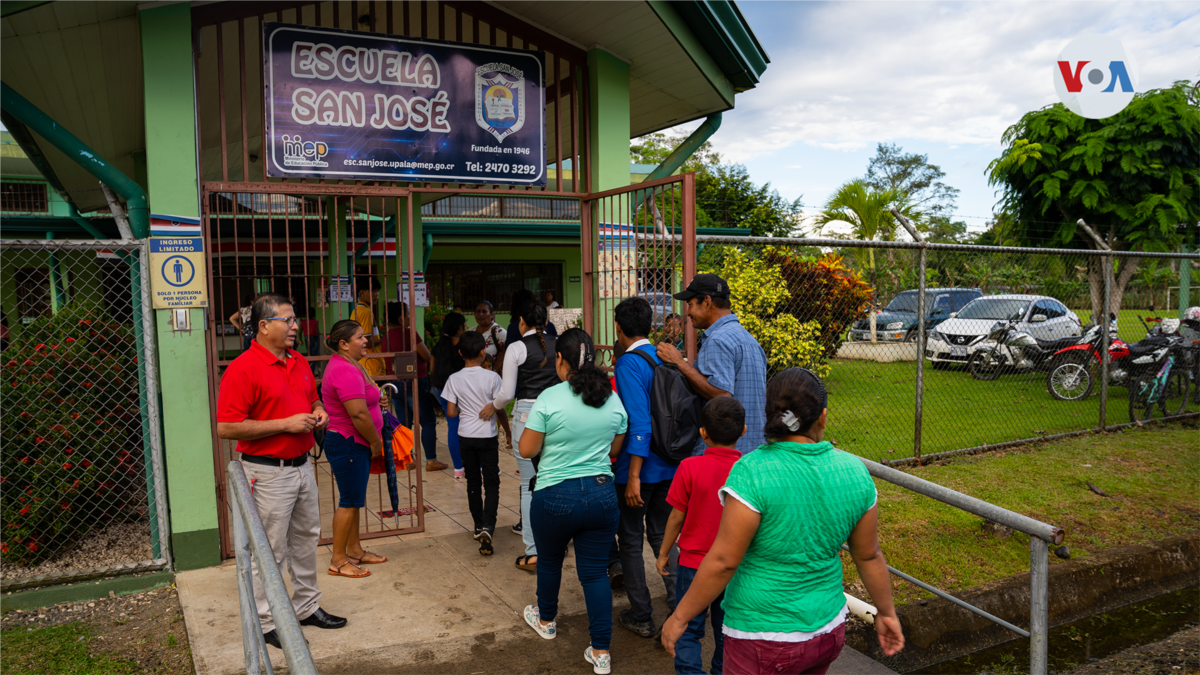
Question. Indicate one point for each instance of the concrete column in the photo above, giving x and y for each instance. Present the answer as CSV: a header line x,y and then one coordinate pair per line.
x,y
166,35
608,116
608,81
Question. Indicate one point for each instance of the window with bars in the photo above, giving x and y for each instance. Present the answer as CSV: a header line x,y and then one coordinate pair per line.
x,y
24,197
465,284
487,207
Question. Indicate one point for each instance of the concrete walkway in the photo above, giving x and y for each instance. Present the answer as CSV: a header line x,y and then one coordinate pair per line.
x,y
433,603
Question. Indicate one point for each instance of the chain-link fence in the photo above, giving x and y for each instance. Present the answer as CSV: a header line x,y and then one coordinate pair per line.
x,y
82,471
1011,349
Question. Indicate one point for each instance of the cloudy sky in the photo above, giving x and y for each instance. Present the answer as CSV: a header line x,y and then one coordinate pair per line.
x,y
940,78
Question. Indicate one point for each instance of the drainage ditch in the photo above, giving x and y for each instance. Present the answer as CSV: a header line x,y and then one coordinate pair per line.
x,y
1086,640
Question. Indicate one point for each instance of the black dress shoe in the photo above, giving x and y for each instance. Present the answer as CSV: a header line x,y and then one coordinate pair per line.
x,y
323,619
272,638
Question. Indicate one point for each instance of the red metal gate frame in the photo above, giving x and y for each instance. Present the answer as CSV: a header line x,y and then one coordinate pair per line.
x,y
633,206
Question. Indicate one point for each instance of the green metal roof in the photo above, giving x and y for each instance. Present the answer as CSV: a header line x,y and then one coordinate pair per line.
x,y
728,38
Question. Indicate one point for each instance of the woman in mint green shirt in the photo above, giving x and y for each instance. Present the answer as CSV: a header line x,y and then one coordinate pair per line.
x,y
573,429
794,502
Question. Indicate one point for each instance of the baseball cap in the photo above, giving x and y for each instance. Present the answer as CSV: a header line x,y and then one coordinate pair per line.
x,y
704,284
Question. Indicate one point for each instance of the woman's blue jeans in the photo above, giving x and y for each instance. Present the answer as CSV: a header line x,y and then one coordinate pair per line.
x,y
451,435
404,405
583,510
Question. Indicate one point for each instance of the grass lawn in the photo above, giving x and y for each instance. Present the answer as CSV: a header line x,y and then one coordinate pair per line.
x,y
871,408
1148,473
62,650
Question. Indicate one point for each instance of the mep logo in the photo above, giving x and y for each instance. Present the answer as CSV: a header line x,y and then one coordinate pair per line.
x,y
1095,76
301,153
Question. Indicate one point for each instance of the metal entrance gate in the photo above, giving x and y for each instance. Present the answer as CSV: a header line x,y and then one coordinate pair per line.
x,y
316,250
639,241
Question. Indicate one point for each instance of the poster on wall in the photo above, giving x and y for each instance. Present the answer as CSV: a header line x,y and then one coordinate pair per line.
x,y
617,261
364,106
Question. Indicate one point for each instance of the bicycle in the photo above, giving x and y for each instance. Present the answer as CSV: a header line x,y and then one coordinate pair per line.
x,y
1166,390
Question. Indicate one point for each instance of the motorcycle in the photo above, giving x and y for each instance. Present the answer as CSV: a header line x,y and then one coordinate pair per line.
x,y
1006,349
1070,376
1073,373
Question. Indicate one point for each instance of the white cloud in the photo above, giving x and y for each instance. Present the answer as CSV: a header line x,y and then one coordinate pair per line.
x,y
844,76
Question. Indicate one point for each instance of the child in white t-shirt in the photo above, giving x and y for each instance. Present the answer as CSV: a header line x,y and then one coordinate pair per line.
x,y
467,392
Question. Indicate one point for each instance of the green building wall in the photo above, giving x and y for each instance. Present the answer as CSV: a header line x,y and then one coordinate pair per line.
x,y
166,34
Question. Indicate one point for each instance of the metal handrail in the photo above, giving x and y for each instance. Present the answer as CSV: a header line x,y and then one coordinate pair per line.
x,y
1040,536
250,544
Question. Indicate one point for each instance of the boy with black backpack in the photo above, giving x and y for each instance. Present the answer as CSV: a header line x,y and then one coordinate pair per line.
x,y
643,478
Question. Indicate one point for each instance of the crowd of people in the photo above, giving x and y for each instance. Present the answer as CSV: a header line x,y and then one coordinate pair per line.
x,y
747,530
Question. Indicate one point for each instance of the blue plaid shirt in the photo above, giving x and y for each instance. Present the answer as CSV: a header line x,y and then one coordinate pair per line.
x,y
733,361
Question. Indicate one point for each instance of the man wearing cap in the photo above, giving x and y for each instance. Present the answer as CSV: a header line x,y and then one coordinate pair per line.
x,y
730,362
268,403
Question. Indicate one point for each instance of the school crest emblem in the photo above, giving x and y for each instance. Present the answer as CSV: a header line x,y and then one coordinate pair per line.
x,y
499,99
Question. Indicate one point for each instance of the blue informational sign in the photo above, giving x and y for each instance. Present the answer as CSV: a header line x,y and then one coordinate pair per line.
x,y
364,106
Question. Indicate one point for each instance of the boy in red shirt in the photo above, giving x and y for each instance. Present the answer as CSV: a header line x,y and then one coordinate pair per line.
x,y
695,518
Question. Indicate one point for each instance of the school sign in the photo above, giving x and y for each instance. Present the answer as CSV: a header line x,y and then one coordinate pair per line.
x,y
364,106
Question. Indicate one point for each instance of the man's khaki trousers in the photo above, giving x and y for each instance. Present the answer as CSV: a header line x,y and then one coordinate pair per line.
x,y
286,498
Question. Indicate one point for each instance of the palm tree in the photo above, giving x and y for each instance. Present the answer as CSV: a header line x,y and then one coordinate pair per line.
x,y
868,211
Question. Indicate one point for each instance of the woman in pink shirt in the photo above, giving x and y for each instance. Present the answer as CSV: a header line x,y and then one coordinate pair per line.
x,y
354,437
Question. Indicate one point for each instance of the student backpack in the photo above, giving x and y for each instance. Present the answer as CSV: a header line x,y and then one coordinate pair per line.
x,y
674,412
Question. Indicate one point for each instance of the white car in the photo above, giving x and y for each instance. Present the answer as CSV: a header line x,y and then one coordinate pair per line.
x,y
1042,317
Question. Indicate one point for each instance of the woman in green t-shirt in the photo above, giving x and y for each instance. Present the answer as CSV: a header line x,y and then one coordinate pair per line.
x,y
573,429
795,501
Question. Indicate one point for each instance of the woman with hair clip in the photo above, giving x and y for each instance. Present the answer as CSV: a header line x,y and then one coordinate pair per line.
x,y
573,429
528,371
355,437
784,607
446,362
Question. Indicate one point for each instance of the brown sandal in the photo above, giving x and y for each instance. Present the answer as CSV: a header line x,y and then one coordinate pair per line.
x,y
337,570
524,564
363,561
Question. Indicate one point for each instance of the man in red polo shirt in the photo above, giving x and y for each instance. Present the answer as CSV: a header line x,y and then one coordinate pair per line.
x,y
268,403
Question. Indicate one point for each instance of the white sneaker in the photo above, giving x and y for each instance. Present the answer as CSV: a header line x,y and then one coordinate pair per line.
x,y
533,618
601,663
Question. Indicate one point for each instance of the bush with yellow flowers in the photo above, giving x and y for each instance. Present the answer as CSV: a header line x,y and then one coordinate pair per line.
x,y
758,296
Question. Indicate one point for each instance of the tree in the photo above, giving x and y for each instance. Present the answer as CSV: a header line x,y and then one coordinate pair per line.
x,y
725,194
921,182
726,197
869,213
1133,176
655,148
913,176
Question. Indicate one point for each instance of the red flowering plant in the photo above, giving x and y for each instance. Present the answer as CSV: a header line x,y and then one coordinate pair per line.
x,y
72,451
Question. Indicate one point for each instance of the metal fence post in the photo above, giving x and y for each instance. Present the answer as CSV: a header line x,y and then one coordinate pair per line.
x,y
1105,341
152,426
920,400
922,254
1039,606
